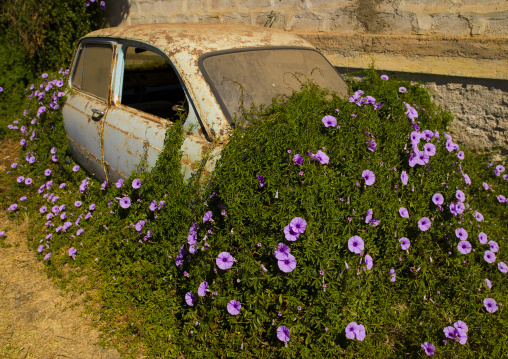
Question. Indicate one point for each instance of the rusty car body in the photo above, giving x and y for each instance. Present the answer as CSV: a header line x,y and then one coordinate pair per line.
x,y
129,83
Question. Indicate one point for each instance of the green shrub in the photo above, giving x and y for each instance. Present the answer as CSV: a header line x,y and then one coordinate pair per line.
x,y
147,276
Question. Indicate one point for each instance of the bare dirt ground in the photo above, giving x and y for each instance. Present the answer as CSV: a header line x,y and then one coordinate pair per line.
x,y
36,321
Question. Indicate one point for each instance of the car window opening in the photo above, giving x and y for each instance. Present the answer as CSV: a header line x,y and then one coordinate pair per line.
x,y
151,85
93,69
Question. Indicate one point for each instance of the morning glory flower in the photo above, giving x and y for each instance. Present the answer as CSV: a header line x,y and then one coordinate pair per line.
x,y
464,247
393,275
450,146
355,244
47,256
500,168
411,112
460,195
190,299
503,268
351,330
489,257
75,168
136,183
54,158
490,304
429,149
494,247
424,224
79,231
91,207
422,158
125,202
321,157
415,137
298,225
281,252
371,145
40,248
402,89
224,260
501,198
20,179
429,348
478,216
298,160
427,135
12,207
467,180
47,172
78,203
460,155
153,205
486,186
202,289
371,220
234,307
329,121
288,264
290,234
488,283
460,207
461,234
450,332
62,185
72,252
384,77
262,180
283,334
207,217
404,178
119,184
404,243
403,212
369,177
369,261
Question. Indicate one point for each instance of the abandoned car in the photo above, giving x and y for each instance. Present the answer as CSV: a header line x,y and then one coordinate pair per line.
x,y
129,84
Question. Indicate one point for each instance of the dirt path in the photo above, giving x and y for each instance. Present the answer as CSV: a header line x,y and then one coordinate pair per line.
x,y
34,321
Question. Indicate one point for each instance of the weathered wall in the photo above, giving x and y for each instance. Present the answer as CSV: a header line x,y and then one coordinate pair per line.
x,y
458,48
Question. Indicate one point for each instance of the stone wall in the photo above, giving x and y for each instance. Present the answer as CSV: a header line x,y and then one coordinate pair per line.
x,y
458,48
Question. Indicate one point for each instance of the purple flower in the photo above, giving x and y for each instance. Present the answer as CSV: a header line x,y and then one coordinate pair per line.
x,y
12,207
288,264
411,113
422,158
47,172
20,179
43,209
371,220
461,234
351,330
429,149
91,207
47,256
424,224
402,90
290,234
281,252
153,205
190,299
119,184
478,216
460,195
467,180
393,275
54,158
371,145
377,106
62,185
298,159
494,247
355,244
369,261
321,157
40,248
464,247
404,178
500,168
501,198
234,307
79,231
486,186
404,243
488,283
329,121
415,137
403,212
224,260
298,225
262,180
13,165
283,334
125,202
78,203
503,268
460,155
427,135
75,168
369,177
72,252
429,348
136,183
202,289
207,217
489,257
490,304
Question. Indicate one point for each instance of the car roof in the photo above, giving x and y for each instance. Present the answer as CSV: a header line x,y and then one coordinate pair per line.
x,y
197,39
185,43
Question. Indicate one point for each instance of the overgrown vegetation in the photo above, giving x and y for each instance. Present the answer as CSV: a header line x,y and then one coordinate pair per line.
x,y
37,36
353,228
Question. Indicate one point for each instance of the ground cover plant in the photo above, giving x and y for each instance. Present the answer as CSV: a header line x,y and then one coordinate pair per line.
x,y
330,227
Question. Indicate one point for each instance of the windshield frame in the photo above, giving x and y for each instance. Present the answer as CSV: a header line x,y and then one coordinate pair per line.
x,y
212,86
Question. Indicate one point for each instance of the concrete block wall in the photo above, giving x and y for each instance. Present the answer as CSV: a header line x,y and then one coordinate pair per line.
x,y
461,43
